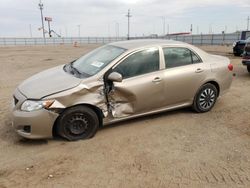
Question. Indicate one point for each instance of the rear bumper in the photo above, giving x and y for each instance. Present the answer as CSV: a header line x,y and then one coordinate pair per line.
x,y
238,50
246,62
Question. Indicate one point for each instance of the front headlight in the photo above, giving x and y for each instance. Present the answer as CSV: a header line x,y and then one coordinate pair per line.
x,y
30,105
234,44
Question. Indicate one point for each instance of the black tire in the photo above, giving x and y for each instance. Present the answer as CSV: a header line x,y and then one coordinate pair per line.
x,y
205,98
248,68
79,122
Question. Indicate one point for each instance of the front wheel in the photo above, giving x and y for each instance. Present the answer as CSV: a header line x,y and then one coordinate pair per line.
x,y
205,98
79,122
248,68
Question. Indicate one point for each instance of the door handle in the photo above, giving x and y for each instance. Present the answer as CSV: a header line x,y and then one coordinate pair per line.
x,y
157,79
199,70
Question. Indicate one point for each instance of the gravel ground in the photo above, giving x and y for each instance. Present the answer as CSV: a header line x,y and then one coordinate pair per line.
x,y
172,149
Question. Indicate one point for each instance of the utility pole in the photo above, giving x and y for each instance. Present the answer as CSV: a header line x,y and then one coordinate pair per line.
x,y
210,28
164,25
117,29
129,16
109,30
79,30
191,29
30,31
66,31
41,9
248,20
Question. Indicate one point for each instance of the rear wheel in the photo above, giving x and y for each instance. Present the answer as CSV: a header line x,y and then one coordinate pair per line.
x,y
205,98
79,122
248,68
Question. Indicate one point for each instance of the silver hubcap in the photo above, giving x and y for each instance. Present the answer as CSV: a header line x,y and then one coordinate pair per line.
x,y
207,98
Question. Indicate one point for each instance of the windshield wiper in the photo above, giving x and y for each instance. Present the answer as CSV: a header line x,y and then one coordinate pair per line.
x,y
74,69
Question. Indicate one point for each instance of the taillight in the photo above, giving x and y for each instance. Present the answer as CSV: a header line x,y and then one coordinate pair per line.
x,y
230,67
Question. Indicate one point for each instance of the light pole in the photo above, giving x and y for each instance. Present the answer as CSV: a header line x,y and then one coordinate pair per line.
x,y
129,16
41,9
164,25
248,20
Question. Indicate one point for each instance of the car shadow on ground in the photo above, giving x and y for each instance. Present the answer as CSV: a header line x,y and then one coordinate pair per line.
x,y
28,142
186,110
10,136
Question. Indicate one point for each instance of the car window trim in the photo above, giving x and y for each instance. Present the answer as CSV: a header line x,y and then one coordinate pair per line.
x,y
162,48
135,51
196,56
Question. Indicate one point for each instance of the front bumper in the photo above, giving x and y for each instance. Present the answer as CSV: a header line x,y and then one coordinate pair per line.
x,y
33,125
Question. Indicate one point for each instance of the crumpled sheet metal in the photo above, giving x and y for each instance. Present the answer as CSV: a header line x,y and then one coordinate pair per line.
x,y
121,102
92,94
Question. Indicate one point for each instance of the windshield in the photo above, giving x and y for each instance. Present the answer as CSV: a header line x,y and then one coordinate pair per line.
x,y
96,60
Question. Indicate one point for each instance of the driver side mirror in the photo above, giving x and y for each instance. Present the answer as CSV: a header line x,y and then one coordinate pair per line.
x,y
115,77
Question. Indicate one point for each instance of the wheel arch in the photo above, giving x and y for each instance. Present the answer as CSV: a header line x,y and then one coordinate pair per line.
x,y
215,84
97,110
212,82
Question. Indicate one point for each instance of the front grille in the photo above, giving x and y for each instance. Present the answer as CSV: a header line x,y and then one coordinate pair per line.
x,y
15,100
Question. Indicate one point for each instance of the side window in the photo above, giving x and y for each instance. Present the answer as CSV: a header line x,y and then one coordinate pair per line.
x,y
142,62
175,57
195,58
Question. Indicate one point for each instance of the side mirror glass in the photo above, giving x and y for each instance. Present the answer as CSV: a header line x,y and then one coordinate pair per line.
x,y
115,77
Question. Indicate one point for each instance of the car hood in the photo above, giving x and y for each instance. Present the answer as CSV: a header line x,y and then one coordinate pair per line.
x,y
48,82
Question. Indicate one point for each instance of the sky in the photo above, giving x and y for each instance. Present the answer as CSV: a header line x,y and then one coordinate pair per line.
x,y
106,18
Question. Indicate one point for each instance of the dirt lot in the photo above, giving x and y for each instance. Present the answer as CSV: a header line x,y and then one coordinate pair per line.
x,y
173,149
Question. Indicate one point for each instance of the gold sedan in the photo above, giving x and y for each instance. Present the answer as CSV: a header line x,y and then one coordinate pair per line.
x,y
116,82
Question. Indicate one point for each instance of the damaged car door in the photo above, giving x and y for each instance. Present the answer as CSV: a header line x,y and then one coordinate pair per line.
x,y
139,89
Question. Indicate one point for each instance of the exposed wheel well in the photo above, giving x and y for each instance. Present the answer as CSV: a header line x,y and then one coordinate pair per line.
x,y
216,85
97,110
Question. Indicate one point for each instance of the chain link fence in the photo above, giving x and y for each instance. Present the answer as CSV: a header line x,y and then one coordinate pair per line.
x,y
208,39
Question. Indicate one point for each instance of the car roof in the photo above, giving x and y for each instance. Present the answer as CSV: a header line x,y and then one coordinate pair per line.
x,y
135,44
132,44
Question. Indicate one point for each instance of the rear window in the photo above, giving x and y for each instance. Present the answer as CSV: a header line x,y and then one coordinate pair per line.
x,y
175,57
